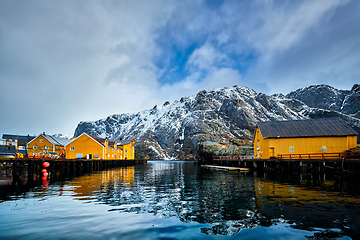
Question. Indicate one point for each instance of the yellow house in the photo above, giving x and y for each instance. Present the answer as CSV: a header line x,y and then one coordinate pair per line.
x,y
91,147
128,149
311,136
46,146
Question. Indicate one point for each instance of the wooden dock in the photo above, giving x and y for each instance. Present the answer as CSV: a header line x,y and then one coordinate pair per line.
x,y
345,162
227,168
68,168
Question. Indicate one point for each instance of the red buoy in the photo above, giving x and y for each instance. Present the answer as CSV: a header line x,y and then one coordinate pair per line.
x,y
46,164
44,171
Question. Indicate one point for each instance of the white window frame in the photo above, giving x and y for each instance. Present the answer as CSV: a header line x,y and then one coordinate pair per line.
x,y
72,148
79,155
41,140
35,147
291,149
46,147
323,148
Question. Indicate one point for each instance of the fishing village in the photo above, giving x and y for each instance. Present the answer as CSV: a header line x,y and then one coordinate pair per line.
x,y
285,146
181,120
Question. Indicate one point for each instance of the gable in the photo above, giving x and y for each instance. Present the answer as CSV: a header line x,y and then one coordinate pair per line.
x,y
86,136
306,128
37,140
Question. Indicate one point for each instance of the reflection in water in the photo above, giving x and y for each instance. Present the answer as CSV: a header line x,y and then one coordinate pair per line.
x,y
223,203
229,201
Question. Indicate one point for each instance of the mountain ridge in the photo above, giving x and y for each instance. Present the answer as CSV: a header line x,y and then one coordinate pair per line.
x,y
174,130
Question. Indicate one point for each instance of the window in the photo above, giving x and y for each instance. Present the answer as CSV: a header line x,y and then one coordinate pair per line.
x,y
79,155
35,147
96,156
323,148
115,156
34,154
41,140
291,149
125,150
46,147
72,148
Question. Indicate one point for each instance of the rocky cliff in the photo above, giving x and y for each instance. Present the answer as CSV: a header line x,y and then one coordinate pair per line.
x,y
224,116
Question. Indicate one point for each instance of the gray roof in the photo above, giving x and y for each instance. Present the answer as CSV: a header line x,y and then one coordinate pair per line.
x,y
22,137
306,128
57,140
124,142
111,142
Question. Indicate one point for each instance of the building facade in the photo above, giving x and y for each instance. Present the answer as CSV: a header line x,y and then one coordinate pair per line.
x,y
310,136
91,147
44,146
15,143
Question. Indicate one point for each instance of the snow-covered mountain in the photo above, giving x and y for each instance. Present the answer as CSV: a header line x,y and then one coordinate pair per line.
x,y
173,130
60,135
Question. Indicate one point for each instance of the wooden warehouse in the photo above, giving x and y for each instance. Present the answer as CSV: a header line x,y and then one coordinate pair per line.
x,y
91,147
311,136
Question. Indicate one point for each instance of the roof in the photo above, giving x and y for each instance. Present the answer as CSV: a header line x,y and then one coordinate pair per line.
x,y
306,128
111,142
22,137
57,140
54,140
102,140
124,142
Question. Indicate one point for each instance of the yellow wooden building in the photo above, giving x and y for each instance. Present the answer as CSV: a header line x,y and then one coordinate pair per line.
x,y
91,147
46,146
310,136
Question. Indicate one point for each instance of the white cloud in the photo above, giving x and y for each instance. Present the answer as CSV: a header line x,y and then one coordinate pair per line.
x,y
62,62
217,78
206,57
285,27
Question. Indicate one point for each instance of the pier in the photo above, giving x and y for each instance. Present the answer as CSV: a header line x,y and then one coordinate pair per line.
x,y
33,171
341,162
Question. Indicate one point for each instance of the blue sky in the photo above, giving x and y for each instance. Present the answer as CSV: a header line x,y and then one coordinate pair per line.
x,y
62,62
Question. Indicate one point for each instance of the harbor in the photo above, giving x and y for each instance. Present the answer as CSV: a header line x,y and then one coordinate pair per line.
x,y
178,199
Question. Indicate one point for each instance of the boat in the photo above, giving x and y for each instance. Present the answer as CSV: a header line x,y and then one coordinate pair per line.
x,y
6,156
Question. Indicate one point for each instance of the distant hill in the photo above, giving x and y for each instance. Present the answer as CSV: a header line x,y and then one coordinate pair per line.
x,y
225,116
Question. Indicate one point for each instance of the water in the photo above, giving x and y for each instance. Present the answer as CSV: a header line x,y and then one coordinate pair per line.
x,y
180,200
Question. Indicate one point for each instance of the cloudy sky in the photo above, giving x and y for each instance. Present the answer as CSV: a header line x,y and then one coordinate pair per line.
x,y
62,62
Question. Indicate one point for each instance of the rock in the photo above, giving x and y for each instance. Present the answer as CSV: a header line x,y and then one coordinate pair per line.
x,y
223,117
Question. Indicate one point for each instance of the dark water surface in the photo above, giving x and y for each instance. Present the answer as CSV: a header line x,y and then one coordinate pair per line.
x,y
180,200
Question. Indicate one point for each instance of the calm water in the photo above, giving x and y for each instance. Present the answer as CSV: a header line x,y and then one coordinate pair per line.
x,y
180,200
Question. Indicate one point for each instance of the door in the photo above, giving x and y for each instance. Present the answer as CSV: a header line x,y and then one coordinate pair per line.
x,y
272,152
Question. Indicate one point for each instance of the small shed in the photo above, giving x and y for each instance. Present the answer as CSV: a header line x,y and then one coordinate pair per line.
x,y
310,136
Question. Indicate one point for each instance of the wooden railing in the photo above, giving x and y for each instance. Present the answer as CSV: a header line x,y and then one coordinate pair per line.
x,y
320,155
234,157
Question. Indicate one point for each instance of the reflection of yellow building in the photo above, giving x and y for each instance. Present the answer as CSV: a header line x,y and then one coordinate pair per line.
x,y
88,184
45,146
91,147
272,192
311,136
